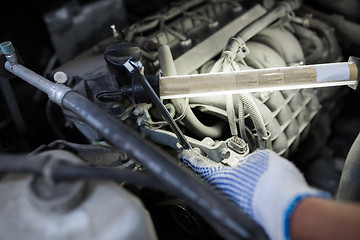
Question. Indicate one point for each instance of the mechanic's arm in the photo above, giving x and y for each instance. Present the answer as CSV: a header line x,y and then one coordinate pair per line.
x,y
317,218
271,190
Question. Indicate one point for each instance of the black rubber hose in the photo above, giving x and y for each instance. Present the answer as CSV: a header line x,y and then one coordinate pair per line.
x,y
230,222
21,163
349,188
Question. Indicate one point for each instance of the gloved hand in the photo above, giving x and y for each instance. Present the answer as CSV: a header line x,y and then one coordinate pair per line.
x,y
265,185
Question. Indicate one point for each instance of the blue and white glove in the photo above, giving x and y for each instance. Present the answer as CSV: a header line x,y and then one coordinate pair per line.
x,y
265,185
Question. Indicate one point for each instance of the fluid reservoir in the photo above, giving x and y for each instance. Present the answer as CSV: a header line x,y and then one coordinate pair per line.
x,y
75,210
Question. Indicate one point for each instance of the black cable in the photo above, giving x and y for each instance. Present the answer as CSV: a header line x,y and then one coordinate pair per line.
x,y
20,163
133,177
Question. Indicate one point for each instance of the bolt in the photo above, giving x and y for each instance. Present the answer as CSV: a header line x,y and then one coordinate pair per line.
x,y
139,122
138,111
178,146
8,50
224,153
116,35
60,77
186,43
208,141
213,24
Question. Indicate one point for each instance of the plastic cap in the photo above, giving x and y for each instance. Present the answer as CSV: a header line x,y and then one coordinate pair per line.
x,y
7,48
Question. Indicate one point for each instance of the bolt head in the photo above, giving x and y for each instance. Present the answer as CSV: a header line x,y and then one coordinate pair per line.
x,y
60,77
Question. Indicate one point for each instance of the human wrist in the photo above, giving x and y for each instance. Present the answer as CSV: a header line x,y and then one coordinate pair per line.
x,y
295,208
319,218
278,192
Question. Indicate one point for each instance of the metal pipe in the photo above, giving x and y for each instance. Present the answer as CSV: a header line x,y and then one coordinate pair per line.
x,y
55,91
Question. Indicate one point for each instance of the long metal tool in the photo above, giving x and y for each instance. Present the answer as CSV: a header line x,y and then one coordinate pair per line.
x,y
308,76
136,70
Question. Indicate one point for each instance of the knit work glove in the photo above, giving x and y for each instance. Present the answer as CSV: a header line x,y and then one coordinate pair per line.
x,y
266,186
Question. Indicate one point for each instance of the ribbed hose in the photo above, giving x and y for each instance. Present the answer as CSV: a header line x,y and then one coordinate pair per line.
x,y
257,119
191,121
306,33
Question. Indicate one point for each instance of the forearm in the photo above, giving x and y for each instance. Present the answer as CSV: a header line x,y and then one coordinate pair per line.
x,y
317,218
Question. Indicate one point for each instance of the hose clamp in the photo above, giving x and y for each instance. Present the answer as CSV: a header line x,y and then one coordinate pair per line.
x,y
58,92
236,47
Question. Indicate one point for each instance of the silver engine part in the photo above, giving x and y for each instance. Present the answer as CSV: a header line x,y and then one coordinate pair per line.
x,y
287,115
184,38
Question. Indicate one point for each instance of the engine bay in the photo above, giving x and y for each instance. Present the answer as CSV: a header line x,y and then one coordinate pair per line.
x,y
105,126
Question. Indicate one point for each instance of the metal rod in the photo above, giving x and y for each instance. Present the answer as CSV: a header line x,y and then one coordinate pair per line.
x,y
55,91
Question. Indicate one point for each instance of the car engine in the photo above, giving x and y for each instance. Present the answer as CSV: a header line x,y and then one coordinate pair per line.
x,y
90,150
